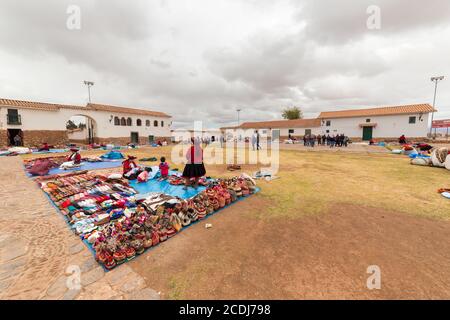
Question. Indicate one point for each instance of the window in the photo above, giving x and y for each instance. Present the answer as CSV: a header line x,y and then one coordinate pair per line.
x,y
412,120
367,120
139,122
123,122
155,123
147,123
162,123
264,131
328,123
129,122
116,121
291,130
13,117
328,131
307,131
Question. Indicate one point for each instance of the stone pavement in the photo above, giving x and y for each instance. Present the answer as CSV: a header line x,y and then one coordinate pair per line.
x,y
40,258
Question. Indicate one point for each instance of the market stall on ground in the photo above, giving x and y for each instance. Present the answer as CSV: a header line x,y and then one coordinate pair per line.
x,y
119,220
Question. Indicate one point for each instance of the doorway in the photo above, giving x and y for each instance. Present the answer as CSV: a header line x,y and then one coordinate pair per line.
x,y
135,137
151,139
12,133
367,133
275,135
81,129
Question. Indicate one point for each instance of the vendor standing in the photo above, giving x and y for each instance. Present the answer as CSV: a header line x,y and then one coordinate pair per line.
x,y
194,169
75,157
17,140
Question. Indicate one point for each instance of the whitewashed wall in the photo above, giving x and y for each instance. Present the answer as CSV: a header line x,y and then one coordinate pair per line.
x,y
104,128
387,126
284,132
78,134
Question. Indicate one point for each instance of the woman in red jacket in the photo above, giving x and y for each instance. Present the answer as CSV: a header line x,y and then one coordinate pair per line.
x,y
129,164
75,156
194,169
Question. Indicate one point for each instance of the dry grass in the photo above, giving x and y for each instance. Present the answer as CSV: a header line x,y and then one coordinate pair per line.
x,y
310,182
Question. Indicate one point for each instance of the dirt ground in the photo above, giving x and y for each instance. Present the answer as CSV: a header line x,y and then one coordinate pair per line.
x,y
314,257
312,234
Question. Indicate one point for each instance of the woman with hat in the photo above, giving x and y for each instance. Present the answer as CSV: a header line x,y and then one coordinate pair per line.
x,y
74,160
75,157
130,169
194,169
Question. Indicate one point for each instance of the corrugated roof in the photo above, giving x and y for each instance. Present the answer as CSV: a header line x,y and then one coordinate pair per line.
x,y
379,111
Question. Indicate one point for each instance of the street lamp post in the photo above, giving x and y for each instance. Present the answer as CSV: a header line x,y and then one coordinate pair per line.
x,y
89,84
435,80
238,114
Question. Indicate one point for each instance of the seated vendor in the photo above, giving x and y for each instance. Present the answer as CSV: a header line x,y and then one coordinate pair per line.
x,y
130,169
402,139
75,157
144,175
44,147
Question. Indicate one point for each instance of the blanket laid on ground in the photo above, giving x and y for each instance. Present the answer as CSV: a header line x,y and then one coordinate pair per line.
x,y
41,167
113,155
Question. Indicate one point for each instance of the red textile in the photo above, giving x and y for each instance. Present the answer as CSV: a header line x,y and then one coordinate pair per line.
x,y
164,168
75,157
40,167
194,155
128,165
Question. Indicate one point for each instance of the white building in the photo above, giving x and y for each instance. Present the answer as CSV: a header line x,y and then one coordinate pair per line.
x,y
358,124
379,123
185,135
278,129
38,122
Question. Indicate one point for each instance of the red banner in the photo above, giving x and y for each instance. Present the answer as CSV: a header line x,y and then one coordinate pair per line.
x,y
441,123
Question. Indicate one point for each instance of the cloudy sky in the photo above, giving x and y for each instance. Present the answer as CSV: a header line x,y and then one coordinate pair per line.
x,y
203,59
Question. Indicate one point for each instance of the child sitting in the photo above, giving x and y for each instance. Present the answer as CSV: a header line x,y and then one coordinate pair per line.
x,y
143,176
164,168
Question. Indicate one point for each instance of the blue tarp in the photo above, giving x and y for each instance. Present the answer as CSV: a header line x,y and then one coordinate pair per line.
x,y
87,166
154,185
113,155
35,151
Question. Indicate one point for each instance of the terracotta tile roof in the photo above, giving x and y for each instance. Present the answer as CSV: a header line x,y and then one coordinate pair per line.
x,y
278,124
34,105
104,107
90,106
380,111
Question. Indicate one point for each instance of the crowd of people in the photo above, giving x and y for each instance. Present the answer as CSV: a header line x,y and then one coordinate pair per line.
x,y
339,140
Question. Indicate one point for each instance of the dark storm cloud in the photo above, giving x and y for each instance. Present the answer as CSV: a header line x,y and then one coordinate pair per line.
x,y
203,60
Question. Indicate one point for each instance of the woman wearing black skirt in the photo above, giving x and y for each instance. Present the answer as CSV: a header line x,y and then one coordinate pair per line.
x,y
194,169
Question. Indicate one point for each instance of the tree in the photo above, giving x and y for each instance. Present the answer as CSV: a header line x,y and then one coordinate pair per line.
x,y
70,125
292,113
